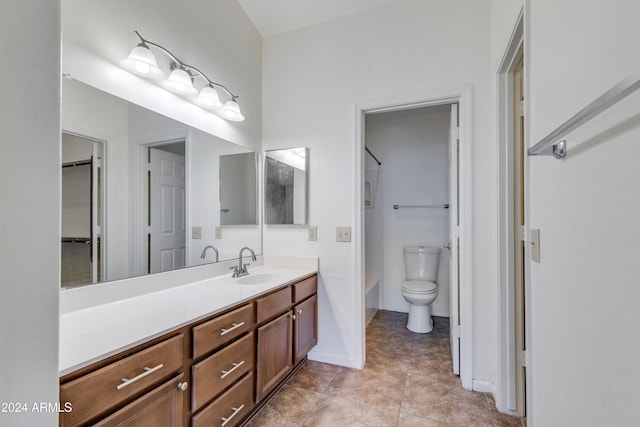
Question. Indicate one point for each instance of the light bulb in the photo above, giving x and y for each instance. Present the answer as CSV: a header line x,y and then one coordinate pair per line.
x,y
208,98
180,82
142,62
231,111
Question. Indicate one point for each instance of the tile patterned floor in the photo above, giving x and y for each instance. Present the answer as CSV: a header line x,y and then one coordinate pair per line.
x,y
407,381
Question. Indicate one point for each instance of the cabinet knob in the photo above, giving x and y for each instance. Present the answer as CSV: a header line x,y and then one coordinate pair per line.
x,y
300,311
293,316
183,386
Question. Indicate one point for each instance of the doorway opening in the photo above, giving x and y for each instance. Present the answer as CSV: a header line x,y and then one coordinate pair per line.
x,y
165,207
82,247
410,199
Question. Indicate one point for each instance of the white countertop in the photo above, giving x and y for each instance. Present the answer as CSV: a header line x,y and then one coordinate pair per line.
x,y
94,333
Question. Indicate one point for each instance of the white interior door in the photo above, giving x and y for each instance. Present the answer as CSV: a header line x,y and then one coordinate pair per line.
x,y
167,244
454,220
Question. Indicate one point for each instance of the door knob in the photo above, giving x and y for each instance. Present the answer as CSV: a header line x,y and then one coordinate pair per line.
x,y
448,246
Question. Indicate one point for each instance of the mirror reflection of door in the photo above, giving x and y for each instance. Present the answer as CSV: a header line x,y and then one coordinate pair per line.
x,y
82,254
166,201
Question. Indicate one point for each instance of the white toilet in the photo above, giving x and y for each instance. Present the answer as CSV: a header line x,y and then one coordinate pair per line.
x,y
420,289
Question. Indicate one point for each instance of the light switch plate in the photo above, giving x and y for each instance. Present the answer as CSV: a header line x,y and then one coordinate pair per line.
x,y
343,234
535,244
313,233
196,232
218,232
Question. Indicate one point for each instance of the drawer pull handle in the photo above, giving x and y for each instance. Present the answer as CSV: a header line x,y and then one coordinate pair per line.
x,y
235,412
235,366
233,327
147,371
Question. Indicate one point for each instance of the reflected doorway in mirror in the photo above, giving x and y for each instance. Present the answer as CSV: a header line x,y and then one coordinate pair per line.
x,y
167,207
82,203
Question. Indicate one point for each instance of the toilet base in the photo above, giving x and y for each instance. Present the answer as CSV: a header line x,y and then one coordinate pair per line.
x,y
420,319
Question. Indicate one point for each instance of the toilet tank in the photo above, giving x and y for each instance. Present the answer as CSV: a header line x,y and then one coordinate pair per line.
x,y
421,262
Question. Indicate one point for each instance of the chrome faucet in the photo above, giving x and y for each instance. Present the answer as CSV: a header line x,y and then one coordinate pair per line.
x,y
241,269
204,252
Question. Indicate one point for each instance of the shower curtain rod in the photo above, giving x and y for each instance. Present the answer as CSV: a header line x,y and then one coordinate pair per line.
x,y
371,154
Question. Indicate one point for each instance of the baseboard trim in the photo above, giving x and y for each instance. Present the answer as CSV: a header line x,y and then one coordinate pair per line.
x,y
399,309
332,359
484,386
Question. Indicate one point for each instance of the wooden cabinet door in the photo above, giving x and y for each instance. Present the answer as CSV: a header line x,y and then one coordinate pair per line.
x,y
273,355
162,406
305,329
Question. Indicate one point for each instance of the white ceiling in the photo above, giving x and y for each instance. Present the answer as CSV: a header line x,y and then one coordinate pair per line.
x,y
278,16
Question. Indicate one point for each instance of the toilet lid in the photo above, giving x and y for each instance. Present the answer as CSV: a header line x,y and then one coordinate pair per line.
x,y
419,286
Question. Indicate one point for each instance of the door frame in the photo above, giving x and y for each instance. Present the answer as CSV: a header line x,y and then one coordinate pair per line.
x,y
505,387
463,97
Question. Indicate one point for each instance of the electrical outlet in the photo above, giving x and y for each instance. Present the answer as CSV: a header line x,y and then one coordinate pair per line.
x,y
313,233
343,234
196,232
218,232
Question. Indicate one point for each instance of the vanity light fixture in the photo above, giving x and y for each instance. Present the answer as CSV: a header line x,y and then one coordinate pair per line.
x,y
142,62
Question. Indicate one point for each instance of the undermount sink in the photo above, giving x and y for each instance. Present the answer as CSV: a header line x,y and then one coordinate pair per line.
x,y
259,279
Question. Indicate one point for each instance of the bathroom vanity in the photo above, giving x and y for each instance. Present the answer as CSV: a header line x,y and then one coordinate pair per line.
x,y
232,343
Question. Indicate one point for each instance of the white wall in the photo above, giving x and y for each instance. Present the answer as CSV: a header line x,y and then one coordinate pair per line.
x,y
313,78
98,34
413,146
29,208
584,293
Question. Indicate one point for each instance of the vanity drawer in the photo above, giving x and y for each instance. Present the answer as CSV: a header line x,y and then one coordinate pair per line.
x,y
216,332
162,406
220,370
273,304
305,288
230,408
100,391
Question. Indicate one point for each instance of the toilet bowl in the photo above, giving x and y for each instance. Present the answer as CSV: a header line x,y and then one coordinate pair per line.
x,y
420,288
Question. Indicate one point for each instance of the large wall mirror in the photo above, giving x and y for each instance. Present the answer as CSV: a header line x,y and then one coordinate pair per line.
x,y
286,186
143,193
